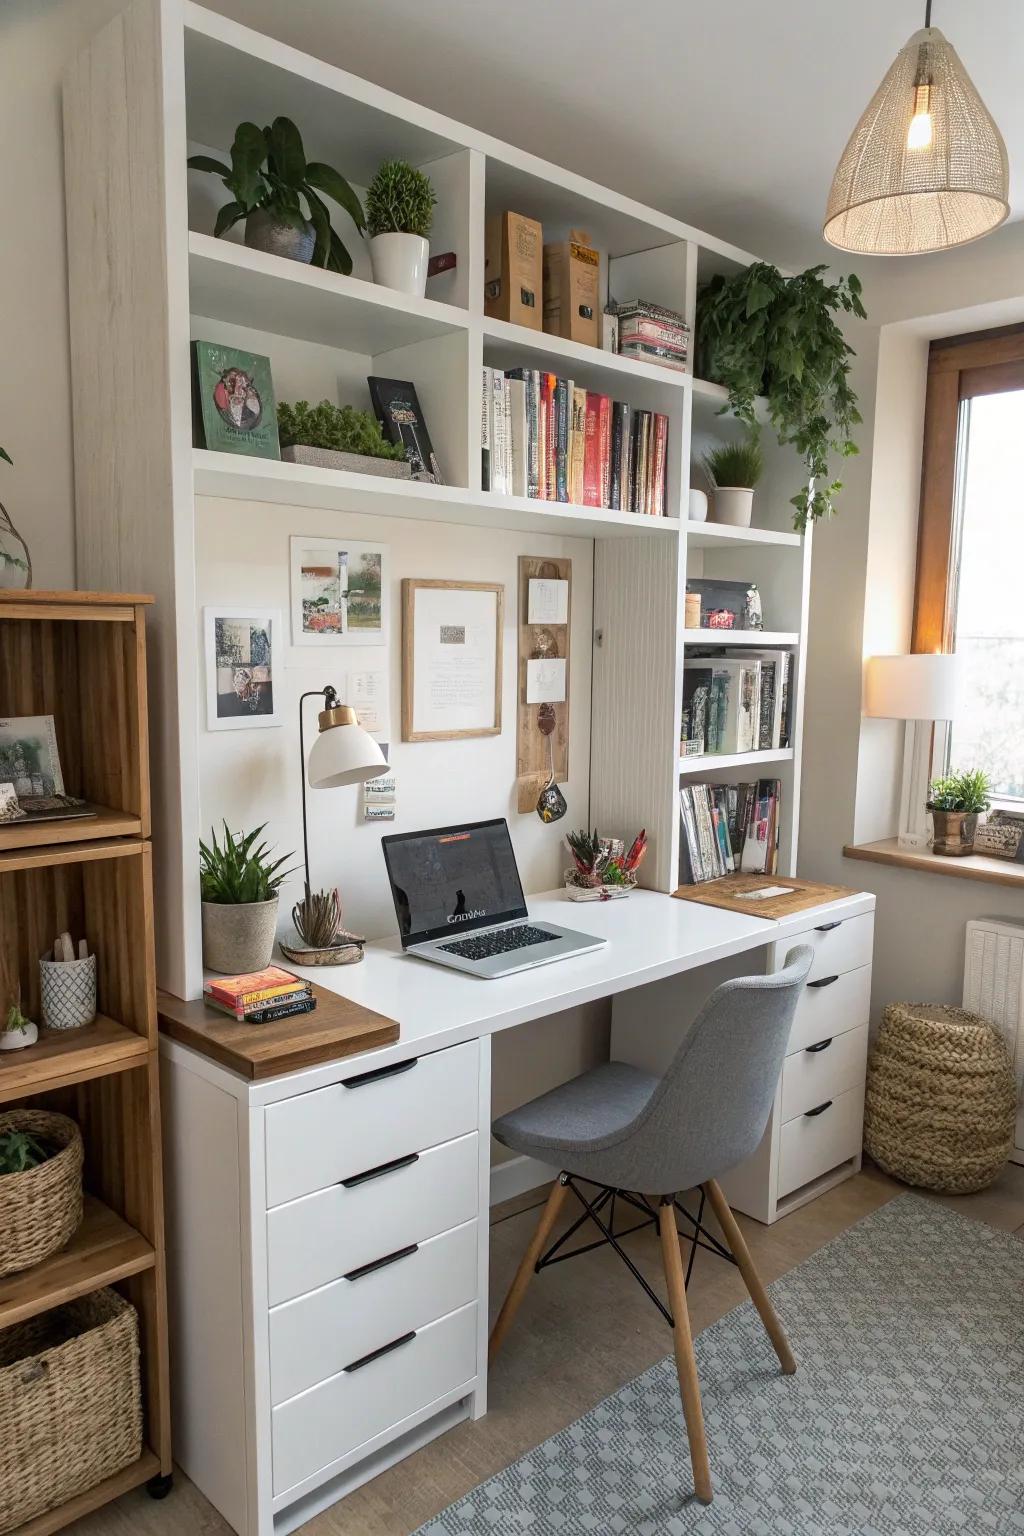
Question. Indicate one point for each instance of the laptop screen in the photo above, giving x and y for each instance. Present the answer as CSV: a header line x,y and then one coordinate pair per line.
x,y
453,880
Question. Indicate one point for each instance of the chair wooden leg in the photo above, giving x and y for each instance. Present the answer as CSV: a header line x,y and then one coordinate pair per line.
x,y
752,1280
525,1272
686,1365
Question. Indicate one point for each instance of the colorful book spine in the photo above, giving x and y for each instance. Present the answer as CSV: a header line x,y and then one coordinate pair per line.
x,y
660,465
563,392
591,454
485,430
551,436
578,443
604,438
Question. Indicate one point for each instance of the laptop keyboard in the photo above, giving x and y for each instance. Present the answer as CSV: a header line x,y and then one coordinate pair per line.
x,y
501,942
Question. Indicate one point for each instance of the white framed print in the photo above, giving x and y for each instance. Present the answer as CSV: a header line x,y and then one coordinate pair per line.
x,y
243,667
339,592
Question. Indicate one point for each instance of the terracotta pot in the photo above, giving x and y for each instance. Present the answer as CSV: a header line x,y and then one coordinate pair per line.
x,y
954,832
239,938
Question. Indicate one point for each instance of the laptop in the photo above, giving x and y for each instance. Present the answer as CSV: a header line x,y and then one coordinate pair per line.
x,y
459,902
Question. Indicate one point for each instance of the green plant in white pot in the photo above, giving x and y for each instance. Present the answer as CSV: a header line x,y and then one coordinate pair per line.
x,y
734,470
399,212
239,885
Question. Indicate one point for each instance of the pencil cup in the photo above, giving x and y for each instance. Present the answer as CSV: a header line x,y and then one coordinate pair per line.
x,y
68,992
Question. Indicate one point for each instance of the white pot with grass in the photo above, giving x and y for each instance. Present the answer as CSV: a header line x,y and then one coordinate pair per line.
x,y
734,470
399,212
239,886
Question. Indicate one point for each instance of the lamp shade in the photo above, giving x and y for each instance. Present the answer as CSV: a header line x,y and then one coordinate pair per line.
x,y
912,687
343,753
926,166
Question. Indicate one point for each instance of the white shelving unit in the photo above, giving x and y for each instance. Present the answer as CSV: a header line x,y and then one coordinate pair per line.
x,y
146,277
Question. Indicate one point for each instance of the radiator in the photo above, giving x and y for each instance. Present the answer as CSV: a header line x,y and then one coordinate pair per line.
x,y
994,987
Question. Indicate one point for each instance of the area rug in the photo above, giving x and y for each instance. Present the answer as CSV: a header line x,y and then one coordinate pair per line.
x,y
905,1417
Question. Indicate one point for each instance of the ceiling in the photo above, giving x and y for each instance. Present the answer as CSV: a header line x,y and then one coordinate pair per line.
x,y
730,115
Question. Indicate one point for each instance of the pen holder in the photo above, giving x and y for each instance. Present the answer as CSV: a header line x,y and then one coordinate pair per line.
x,y
68,989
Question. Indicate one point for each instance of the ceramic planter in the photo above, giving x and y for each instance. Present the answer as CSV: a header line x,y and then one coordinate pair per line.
x,y
68,989
18,1039
400,261
734,505
239,938
265,233
698,507
361,463
954,832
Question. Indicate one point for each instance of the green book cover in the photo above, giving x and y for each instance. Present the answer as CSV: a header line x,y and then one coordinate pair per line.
x,y
234,400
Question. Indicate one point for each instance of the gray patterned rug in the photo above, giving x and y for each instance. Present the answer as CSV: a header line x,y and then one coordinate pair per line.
x,y
905,1417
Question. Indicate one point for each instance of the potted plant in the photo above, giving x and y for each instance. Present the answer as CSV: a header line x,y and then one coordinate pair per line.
x,y
601,869
15,567
760,333
41,1159
734,469
239,886
955,803
269,177
16,1032
399,212
323,938
336,437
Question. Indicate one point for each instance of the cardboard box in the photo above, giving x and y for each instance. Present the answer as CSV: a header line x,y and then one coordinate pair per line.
x,y
572,281
514,270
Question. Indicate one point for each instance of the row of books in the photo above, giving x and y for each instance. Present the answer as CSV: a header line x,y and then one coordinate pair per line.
x,y
545,437
650,333
261,996
737,703
729,827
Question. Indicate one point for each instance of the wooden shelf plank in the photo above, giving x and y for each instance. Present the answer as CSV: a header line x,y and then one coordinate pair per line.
x,y
69,853
107,822
147,1466
971,866
104,1249
753,639
709,762
60,1057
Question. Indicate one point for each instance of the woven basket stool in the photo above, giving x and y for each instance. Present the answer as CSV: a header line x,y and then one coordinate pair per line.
x,y
941,1098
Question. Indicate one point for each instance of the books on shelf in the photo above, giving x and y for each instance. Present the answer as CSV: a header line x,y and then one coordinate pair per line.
x,y
736,703
546,437
728,827
260,996
651,333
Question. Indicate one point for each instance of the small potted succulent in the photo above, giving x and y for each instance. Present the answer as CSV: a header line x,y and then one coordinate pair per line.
x,y
955,803
239,886
734,469
334,437
323,938
269,177
16,1032
399,212
601,868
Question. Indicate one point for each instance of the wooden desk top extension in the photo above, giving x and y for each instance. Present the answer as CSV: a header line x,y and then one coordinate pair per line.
x,y
337,1027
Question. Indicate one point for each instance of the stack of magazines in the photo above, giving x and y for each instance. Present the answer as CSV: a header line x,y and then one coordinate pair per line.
x,y
261,996
652,334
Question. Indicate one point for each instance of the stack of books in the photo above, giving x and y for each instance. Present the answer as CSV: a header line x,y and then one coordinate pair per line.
x,y
652,334
729,827
545,437
261,996
736,703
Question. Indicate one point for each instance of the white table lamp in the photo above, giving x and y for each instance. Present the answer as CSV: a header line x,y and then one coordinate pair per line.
x,y
920,690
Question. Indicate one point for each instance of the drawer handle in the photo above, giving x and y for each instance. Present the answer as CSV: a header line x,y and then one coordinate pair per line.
x,y
378,1073
376,1354
822,1045
375,1264
824,981
827,927
380,1171
810,1114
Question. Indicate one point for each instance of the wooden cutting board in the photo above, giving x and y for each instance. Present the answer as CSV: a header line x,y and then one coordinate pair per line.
x,y
733,893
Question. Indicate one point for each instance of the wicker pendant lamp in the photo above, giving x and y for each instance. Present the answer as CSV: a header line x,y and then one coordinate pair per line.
x,y
926,167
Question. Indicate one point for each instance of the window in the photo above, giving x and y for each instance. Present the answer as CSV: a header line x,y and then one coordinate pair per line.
x,y
970,588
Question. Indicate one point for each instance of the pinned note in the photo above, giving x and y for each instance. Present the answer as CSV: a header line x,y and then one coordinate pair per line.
x,y
545,680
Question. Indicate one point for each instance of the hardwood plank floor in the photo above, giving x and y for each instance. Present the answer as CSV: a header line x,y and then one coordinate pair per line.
x,y
584,1329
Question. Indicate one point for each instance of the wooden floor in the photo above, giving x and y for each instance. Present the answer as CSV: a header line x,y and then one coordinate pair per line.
x,y
584,1329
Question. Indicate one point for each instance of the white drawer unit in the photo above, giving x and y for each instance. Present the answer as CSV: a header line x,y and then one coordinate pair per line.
x,y
831,1005
823,1071
377,1211
369,1118
840,944
815,1142
378,1388
316,1336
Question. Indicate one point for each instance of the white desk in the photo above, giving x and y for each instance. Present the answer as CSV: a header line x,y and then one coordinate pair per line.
x,y
269,1238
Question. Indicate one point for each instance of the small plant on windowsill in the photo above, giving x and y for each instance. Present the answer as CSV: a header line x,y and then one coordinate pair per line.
x,y
956,801
338,437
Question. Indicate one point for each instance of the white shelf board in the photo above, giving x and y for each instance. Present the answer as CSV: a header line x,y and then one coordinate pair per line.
x,y
230,282
301,485
714,396
714,762
725,536
517,346
752,639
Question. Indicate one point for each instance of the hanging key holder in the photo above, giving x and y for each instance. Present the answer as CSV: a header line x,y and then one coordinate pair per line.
x,y
551,804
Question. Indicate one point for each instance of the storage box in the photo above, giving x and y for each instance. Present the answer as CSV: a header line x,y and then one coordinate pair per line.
x,y
514,270
572,280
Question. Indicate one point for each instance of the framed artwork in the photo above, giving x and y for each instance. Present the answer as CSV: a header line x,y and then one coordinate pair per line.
x,y
243,667
451,659
339,592
29,760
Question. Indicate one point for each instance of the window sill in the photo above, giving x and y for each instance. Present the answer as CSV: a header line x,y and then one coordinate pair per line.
x,y
972,866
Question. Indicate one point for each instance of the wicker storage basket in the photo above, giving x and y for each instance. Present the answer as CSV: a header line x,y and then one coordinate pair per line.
x,y
40,1210
70,1403
941,1098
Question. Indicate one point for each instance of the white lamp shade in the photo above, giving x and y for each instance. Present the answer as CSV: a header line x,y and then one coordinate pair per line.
x,y
912,687
344,754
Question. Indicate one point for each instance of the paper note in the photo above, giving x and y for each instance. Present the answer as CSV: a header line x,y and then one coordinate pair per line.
x,y
368,695
766,892
548,602
380,797
545,681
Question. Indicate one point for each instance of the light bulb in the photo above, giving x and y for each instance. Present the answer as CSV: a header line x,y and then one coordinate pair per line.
x,y
919,135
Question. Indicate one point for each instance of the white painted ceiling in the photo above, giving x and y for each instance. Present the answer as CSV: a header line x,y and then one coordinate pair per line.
x,y
730,114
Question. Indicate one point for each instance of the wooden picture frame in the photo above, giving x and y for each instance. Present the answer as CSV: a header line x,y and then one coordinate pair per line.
x,y
437,683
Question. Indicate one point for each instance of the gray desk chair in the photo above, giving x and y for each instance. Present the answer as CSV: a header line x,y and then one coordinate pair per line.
x,y
642,1139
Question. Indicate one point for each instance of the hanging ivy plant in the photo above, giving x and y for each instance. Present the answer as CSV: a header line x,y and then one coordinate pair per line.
x,y
760,333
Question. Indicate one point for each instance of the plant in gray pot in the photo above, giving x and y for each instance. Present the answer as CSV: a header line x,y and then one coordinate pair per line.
x,y
269,178
239,884
955,802
334,437
399,212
